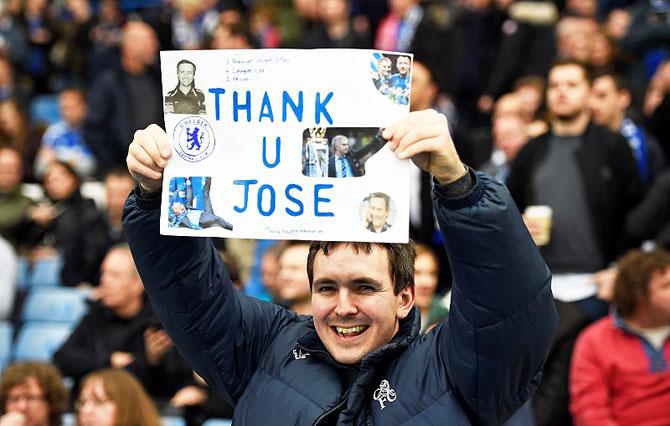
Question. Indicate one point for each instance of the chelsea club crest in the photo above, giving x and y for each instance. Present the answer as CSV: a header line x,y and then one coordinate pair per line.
x,y
193,138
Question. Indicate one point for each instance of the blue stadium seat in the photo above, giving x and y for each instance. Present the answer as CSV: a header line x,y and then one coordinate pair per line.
x,y
6,331
44,272
38,340
172,421
54,304
217,422
44,109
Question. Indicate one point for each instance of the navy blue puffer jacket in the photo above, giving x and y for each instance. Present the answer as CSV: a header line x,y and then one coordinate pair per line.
x,y
478,367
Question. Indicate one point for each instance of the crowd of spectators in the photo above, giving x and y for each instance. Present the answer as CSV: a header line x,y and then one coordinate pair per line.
x,y
566,101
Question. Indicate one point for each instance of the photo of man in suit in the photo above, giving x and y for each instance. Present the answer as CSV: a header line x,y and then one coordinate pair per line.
x,y
345,162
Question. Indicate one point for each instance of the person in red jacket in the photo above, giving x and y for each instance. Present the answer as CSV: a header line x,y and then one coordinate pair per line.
x,y
620,372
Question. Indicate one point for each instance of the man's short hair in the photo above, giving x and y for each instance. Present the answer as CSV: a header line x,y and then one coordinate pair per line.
x,y
400,256
338,139
384,59
620,83
125,248
49,380
534,81
636,269
424,249
563,62
385,197
75,90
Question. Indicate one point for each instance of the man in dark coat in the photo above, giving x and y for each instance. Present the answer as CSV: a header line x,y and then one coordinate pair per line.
x,y
360,359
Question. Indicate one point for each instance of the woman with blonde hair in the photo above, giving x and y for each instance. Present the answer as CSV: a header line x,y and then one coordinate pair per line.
x,y
114,397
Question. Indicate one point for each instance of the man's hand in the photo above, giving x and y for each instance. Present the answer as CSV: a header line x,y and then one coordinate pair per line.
x,y
189,396
156,345
42,214
13,419
605,280
424,137
148,155
120,359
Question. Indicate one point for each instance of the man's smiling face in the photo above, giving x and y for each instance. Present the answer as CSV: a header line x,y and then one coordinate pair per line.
x,y
353,302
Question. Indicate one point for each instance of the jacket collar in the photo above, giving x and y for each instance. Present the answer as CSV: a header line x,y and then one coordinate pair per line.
x,y
408,331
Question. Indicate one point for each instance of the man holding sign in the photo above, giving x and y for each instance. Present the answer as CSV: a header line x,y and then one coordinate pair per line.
x,y
359,359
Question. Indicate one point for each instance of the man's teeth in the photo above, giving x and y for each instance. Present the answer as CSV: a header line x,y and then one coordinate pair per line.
x,y
350,330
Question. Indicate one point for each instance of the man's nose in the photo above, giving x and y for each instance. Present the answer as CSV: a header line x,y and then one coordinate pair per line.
x,y
345,304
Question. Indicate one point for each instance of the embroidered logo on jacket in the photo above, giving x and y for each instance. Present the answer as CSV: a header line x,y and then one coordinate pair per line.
x,y
384,393
299,354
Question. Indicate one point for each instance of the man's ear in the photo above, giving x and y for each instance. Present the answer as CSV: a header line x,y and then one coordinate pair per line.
x,y
625,98
405,301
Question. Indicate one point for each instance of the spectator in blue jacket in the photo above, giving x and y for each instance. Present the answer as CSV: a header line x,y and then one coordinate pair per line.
x,y
359,359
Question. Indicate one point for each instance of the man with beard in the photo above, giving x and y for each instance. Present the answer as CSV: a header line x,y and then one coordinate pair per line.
x,y
589,178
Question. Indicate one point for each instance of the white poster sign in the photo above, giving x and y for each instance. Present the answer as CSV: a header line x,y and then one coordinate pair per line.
x,y
285,144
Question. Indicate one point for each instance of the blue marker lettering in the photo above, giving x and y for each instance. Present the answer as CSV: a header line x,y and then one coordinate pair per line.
x,y
297,109
320,108
277,153
216,91
246,183
317,200
245,106
260,200
296,201
266,109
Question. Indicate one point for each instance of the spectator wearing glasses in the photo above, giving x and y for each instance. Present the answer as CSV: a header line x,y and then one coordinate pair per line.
x,y
113,397
31,394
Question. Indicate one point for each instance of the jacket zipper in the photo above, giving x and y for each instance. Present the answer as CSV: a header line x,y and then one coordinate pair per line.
x,y
335,408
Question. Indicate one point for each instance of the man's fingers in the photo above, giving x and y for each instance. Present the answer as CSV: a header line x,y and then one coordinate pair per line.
x,y
417,119
423,145
139,170
159,137
417,134
141,155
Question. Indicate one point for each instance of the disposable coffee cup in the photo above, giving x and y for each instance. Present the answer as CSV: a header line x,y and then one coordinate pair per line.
x,y
541,217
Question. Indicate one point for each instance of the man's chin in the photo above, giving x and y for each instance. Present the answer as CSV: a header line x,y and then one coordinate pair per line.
x,y
567,117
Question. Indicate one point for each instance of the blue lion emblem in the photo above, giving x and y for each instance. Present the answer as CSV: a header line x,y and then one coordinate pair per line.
x,y
194,138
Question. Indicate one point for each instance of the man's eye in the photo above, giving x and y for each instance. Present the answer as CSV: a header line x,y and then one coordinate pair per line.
x,y
325,289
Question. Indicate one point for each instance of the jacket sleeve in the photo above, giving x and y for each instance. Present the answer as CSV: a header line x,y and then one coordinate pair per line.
x,y
221,333
589,393
649,217
502,318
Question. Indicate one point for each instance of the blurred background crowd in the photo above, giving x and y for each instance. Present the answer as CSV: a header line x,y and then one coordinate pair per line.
x,y
565,101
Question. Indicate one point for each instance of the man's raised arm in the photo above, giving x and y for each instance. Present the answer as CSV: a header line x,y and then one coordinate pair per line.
x,y
502,317
220,333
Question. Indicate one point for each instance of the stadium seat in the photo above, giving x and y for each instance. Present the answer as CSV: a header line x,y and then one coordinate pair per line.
x,y
38,340
43,272
172,421
54,304
44,109
217,422
6,331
